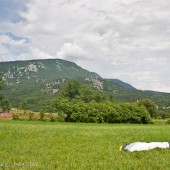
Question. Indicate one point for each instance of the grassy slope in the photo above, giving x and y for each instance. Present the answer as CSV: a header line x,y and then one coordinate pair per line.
x,y
80,146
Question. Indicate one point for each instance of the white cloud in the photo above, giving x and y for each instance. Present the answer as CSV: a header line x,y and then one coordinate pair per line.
x,y
126,39
11,50
36,52
72,52
4,39
3,50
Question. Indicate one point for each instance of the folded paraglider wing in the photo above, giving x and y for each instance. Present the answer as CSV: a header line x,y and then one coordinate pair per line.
x,y
143,146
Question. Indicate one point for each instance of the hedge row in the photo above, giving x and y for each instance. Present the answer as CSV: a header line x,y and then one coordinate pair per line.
x,y
102,112
29,115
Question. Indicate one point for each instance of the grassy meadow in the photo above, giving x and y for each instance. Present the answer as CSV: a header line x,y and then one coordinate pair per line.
x,y
53,145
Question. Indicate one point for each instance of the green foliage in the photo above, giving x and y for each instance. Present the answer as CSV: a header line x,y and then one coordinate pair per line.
x,y
24,105
168,121
31,115
159,121
61,117
53,117
2,83
15,116
5,105
111,97
74,90
4,102
71,89
86,93
150,106
163,113
42,114
79,111
46,106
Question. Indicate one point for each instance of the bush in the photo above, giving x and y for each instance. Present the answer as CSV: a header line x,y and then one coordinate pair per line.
x,y
61,117
78,111
15,116
94,112
150,106
42,114
30,114
159,121
168,121
53,117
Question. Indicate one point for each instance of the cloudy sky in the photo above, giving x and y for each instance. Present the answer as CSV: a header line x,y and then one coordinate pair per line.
x,y
124,39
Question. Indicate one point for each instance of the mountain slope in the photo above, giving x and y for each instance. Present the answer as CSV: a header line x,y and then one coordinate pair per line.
x,y
40,71
121,83
37,80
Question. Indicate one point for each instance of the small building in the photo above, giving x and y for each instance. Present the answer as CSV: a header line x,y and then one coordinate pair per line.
x,y
5,116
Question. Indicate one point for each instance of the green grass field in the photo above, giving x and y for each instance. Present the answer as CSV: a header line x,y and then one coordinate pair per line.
x,y
72,146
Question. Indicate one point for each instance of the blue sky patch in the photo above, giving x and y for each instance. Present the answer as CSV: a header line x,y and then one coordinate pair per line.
x,y
9,10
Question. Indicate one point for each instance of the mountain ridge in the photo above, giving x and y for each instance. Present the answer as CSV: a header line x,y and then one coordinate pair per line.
x,y
36,80
122,83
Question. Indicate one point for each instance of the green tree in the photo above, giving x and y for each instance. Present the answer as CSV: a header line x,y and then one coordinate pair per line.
x,y
111,97
5,105
31,115
46,106
24,106
3,101
150,106
99,96
42,114
71,89
2,83
86,93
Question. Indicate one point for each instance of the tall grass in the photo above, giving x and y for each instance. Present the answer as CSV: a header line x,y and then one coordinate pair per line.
x,y
48,145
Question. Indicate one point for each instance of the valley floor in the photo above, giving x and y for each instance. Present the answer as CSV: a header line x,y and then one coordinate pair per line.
x,y
48,145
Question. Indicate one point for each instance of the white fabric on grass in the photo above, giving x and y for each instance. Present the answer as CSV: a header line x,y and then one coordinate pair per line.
x,y
142,146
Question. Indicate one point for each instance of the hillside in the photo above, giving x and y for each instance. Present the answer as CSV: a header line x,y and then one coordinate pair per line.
x,y
37,80
121,83
40,71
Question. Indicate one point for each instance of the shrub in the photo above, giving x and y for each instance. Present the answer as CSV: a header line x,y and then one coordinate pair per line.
x,y
15,116
78,111
30,114
61,117
168,121
53,117
42,114
150,106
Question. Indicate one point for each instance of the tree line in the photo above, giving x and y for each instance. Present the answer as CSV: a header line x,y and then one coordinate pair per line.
x,y
83,103
4,101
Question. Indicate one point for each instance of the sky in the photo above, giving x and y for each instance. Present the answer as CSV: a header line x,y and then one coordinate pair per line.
x,y
124,39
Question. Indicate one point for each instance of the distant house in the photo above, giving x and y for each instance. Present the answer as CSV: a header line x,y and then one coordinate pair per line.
x,y
5,115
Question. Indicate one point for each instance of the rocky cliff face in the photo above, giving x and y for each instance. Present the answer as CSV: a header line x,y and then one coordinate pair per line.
x,y
42,71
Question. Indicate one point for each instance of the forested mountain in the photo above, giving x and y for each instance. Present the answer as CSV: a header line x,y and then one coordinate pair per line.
x,y
37,80
120,82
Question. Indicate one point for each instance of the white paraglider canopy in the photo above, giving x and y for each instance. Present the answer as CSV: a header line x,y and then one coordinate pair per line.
x,y
144,146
